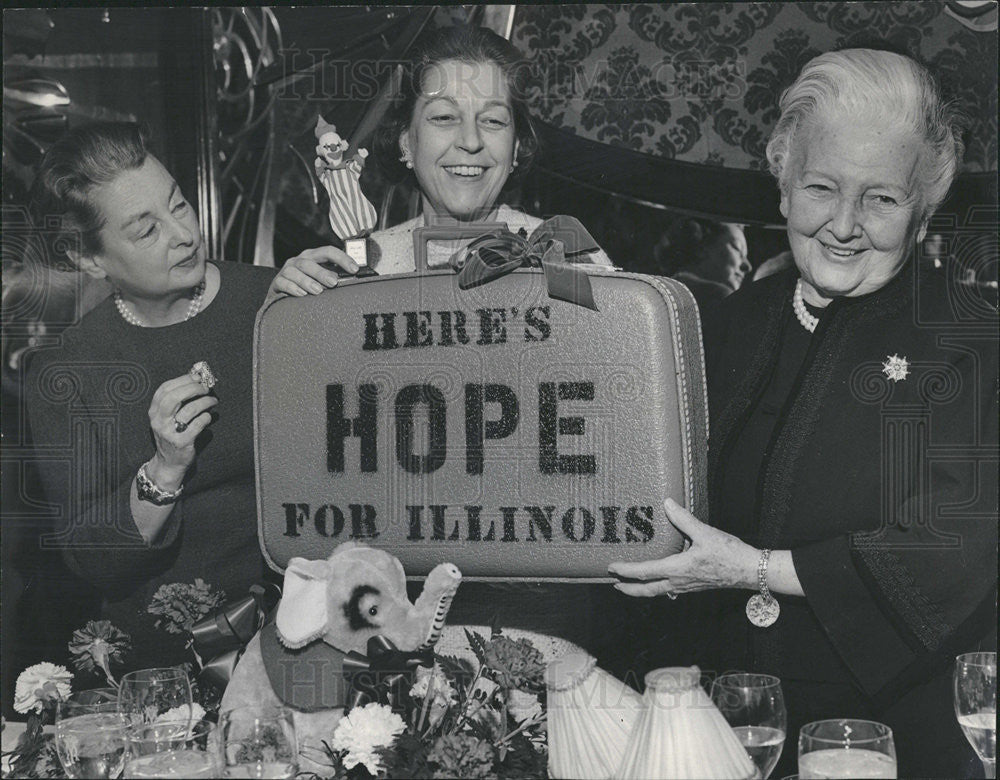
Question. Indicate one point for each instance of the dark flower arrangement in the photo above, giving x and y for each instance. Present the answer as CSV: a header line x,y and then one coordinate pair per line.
x,y
95,650
452,721
39,689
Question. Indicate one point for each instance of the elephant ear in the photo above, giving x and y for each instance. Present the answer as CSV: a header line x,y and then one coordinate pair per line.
x,y
302,613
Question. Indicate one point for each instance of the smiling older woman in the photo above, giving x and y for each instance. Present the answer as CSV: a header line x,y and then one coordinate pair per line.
x,y
852,463
149,467
460,128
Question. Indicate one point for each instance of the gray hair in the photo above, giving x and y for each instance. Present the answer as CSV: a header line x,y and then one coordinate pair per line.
x,y
873,84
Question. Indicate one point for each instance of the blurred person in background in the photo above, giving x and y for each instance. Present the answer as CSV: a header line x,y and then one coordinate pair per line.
x,y
709,258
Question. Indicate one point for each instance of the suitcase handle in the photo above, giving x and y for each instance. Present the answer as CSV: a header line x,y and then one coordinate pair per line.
x,y
447,232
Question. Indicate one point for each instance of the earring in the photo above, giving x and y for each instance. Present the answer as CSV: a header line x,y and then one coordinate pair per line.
x,y
405,159
513,165
409,164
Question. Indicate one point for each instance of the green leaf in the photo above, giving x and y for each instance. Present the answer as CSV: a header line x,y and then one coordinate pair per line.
x,y
458,671
478,645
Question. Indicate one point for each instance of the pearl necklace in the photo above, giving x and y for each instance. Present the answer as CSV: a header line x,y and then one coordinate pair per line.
x,y
807,320
132,319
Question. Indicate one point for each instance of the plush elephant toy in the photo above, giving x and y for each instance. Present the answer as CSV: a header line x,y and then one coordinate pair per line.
x,y
357,593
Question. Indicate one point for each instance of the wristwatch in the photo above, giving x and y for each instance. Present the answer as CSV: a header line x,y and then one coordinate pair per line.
x,y
152,493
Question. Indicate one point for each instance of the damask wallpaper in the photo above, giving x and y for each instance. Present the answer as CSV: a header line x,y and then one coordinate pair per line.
x,y
700,82
664,104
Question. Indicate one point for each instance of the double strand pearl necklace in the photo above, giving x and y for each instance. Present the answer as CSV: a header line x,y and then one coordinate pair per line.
x,y
807,320
132,319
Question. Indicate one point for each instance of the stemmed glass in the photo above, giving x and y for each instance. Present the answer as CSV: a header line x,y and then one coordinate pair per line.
x,y
149,694
846,748
171,749
976,705
90,735
754,706
258,742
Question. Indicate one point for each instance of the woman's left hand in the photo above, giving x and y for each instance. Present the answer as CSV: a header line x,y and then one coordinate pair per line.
x,y
304,274
714,559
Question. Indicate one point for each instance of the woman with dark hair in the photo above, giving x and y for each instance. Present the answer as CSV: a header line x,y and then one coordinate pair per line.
x,y
709,257
147,463
459,128
853,442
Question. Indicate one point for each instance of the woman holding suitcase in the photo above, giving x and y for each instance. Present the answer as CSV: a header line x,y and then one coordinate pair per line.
x,y
852,458
459,127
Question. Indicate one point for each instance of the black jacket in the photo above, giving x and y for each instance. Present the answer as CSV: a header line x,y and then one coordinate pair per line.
x,y
885,491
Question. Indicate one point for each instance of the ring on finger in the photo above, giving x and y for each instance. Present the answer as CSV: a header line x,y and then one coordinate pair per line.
x,y
180,426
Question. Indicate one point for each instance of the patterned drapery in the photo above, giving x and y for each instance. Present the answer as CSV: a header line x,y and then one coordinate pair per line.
x,y
700,82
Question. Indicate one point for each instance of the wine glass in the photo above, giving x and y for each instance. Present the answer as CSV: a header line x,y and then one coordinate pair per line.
x,y
846,748
976,705
90,735
149,694
258,742
173,748
754,706
93,700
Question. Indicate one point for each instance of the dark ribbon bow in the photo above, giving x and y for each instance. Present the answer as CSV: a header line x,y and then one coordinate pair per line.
x,y
220,639
499,252
379,675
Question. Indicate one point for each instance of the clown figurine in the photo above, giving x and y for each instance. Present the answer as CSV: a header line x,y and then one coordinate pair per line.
x,y
352,216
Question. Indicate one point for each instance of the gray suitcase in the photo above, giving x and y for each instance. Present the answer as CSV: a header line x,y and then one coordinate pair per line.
x,y
517,436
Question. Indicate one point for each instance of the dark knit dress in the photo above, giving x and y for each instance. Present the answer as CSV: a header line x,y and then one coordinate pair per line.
x,y
885,492
88,401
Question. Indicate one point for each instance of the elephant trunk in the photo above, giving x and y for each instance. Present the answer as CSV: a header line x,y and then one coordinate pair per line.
x,y
435,599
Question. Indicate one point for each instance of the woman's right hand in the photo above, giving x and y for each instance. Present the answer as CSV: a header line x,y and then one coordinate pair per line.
x,y
181,400
303,274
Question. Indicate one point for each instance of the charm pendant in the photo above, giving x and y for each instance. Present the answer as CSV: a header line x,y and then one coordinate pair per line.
x,y
762,612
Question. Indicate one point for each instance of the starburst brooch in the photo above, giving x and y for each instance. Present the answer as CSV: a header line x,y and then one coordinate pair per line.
x,y
896,368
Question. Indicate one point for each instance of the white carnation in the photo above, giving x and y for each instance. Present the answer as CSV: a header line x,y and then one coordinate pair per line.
x,y
363,731
31,682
